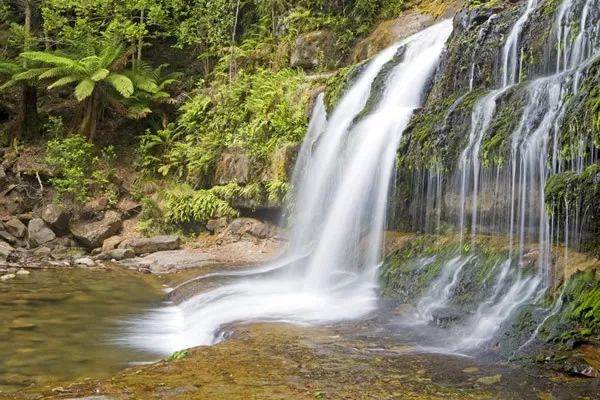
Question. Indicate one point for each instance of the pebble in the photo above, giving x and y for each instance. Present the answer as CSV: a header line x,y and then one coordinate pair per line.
x,y
23,272
88,262
7,277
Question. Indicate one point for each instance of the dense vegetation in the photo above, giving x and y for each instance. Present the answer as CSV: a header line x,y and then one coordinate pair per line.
x,y
198,78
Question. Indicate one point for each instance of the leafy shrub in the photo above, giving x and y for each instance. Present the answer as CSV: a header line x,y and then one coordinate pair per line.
x,y
79,169
256,113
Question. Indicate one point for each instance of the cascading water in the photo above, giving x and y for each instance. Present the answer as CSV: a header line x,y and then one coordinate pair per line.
x,y
343,177
508,198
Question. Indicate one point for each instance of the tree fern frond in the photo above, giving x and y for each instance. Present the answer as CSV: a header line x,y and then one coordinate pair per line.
x,y
63,81
47,58
121,83
100,74
54,72
84,89
29,74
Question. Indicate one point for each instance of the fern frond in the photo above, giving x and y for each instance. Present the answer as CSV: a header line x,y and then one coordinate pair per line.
x,y
84,89
63,81
121,83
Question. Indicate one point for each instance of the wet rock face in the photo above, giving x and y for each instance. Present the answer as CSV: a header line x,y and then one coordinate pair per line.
x,y
39,232
389,32
93,233
315,50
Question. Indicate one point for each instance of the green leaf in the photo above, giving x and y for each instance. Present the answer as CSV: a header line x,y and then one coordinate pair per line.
x,y
121,83
99,75
62,81
84,89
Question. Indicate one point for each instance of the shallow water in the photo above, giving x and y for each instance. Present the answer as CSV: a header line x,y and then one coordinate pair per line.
x,y
61,324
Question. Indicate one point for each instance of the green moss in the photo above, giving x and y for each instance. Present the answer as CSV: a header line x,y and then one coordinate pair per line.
x,y
339,83
579,318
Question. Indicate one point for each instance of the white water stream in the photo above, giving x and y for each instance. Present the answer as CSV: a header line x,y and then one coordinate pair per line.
x,y
342,183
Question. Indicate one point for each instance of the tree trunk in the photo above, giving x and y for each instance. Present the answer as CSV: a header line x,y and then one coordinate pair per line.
x,y
90,118
27,125
28,117
141,39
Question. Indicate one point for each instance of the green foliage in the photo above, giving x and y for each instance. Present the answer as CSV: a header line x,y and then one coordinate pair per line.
x,y
257,113
579,318
79,169
178,355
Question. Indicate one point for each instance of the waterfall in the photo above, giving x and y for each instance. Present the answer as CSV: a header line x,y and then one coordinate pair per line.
x,y
342,181
520,215
511,53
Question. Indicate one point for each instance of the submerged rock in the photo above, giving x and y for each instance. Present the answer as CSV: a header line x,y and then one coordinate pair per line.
x,y
490,380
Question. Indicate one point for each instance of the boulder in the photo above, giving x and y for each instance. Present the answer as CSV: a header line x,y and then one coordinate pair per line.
x,y
8,237
314,50
216,226
116,254
248,228
111,243
5,250
129,208
93,233
39,233
55,216
15,227
233,166
93,209
151,245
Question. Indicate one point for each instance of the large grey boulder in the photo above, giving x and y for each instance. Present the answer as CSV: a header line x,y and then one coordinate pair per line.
x,y
15,227
5,250
57,218
92,233
39,233
315,49
151,245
